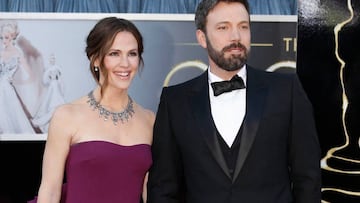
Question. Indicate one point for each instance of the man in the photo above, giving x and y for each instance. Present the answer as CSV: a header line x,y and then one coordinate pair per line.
x,y
253,144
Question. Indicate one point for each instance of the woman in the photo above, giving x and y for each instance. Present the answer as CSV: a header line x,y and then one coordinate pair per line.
x,y
103,139
14,115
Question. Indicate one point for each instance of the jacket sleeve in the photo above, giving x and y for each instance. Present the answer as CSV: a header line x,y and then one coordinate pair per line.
x,y
304,149
165,184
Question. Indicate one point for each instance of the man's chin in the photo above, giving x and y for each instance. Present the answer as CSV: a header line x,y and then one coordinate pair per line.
x,y
232,69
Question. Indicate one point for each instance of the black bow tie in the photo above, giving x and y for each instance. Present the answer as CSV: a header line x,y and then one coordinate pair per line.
x,y
236,82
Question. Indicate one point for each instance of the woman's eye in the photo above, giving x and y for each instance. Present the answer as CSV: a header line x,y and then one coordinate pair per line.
x,y
133,54
113,54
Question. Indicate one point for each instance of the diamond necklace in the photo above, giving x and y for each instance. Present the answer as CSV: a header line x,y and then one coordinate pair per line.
x,y
122,116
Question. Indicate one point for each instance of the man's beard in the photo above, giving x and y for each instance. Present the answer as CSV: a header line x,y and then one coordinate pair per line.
x,y
234,62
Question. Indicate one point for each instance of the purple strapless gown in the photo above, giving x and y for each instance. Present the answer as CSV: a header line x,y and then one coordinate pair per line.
x,y
101,171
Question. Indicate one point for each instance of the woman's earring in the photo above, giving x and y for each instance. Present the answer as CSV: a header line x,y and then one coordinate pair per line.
x,y
97,73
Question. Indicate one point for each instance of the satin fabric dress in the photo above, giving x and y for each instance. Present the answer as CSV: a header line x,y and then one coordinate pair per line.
x,y
101,171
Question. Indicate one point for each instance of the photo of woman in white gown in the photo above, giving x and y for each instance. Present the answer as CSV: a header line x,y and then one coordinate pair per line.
x,y
14,116
53,94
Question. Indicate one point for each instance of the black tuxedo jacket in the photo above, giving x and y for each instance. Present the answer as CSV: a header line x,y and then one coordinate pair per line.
x,y
279,156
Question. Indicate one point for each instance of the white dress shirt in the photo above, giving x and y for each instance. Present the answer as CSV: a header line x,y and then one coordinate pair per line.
x,y
228,109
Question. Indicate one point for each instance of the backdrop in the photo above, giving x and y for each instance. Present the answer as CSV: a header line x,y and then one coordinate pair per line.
x,y
171,55
57,41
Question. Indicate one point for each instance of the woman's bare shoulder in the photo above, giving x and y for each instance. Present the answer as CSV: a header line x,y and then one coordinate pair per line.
x,y
71,110
146,113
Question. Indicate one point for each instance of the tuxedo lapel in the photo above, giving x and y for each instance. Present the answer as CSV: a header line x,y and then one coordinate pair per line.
x,y
255,93
200,105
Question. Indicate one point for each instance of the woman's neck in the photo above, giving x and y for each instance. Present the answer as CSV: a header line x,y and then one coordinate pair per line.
x,y
113,99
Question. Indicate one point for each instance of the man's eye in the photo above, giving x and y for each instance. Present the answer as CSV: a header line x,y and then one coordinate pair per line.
x,y
245,27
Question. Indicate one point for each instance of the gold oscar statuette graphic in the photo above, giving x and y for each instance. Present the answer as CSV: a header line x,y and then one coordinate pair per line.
x,y
334,154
